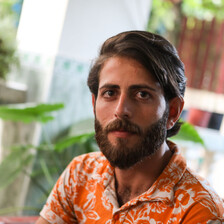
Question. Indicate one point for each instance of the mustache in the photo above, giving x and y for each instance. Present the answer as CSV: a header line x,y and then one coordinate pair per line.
x,y
123,125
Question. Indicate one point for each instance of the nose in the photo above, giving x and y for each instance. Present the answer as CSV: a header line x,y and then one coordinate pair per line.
x,y
123,108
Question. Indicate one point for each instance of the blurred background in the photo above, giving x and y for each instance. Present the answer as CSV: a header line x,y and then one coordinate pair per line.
x,y
46,117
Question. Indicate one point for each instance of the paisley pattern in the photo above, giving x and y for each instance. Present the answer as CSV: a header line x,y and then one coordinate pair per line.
x,y
85,193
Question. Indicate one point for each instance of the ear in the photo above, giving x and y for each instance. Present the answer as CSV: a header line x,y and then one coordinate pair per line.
x,y
175,108
93,102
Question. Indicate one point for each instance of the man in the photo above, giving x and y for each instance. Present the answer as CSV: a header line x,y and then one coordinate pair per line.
x,y
137,86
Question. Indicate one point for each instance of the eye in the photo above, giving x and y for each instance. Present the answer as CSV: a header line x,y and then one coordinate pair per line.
x,y
143,95
108,93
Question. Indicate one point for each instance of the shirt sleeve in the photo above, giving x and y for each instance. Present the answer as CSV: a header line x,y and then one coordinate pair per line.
x,y
201,214
58,208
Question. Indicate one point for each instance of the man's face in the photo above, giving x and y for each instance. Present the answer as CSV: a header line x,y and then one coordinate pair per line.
x,y
130,112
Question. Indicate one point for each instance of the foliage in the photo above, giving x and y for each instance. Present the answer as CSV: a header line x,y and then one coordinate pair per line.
x,y
29,114
21,156
68,141
166,15
162,17
204,10
14,164
51,158
188,133
8,46
6,8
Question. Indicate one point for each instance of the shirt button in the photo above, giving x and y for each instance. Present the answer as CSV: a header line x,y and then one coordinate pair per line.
x,y
116,217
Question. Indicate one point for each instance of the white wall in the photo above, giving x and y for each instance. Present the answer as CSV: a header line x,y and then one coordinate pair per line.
x,y
70,29
40,25
89,23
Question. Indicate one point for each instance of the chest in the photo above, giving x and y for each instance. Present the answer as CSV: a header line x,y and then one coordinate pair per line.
x,y
100,205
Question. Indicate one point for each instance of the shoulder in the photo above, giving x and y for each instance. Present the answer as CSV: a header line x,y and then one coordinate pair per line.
x,y
90,165
190,188
83,170
76,183
89,161
195,190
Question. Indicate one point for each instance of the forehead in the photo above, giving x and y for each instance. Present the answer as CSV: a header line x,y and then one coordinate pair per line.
x,y
120,70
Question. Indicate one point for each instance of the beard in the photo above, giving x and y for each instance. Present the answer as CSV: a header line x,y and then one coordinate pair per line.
x,y
120,155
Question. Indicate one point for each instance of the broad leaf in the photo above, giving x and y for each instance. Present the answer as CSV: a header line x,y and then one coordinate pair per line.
x,y
188,133
46,172
13,165
39,113
61,145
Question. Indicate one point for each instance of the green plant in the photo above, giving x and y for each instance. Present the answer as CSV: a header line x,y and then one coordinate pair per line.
x,y
205,10
8,56
8,45
188,133
51,158
162,17
20,157
166,15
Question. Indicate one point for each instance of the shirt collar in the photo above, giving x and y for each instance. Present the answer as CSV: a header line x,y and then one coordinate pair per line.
x,y
163,188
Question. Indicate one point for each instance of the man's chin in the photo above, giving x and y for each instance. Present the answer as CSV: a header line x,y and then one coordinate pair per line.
x,y
121,165
121,156
126,165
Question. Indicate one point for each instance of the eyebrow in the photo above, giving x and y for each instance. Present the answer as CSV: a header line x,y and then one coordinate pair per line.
x,y
112,86
132,87
142,86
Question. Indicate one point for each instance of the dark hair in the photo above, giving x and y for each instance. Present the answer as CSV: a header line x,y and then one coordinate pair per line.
x,y
155,53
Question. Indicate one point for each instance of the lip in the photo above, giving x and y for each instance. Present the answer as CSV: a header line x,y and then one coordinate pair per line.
x,y
121,134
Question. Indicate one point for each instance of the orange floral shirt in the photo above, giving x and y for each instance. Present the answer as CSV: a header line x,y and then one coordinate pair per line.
x,y
85,193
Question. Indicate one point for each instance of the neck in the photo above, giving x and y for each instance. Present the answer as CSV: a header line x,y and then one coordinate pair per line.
x,y
137,179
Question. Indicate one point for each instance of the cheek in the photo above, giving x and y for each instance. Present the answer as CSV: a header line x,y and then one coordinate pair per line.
x,y
152,114
103,113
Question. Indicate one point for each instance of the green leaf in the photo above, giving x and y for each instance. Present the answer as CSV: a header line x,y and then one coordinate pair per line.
x,y
13,165
204,10
46,171
188,133
37,113
63,144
